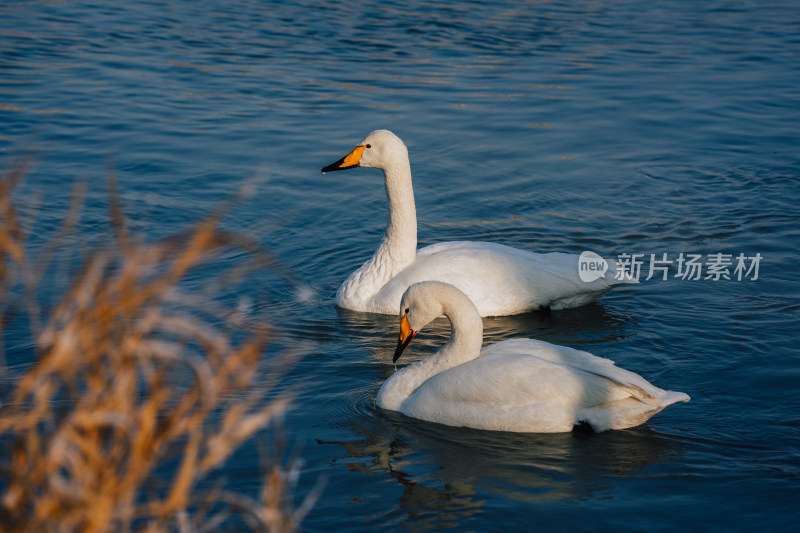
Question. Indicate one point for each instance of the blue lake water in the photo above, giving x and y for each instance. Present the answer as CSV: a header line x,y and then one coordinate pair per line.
x,y
619,127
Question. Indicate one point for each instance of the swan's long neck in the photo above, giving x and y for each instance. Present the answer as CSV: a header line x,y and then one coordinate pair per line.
x,y
466,335
399,246
464,345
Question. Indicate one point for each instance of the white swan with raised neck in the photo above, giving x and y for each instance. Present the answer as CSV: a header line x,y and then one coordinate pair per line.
x,y
499,279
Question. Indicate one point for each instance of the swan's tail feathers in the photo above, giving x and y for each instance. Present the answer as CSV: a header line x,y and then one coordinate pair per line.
x,y
669,397
620,274
631,411
648,393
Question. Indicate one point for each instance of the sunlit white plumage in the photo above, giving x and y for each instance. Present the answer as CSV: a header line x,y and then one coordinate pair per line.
x,y
499,279
521,385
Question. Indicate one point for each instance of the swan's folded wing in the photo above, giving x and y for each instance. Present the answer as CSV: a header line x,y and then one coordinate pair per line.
x,y
506,381
501,280
561,264
635,385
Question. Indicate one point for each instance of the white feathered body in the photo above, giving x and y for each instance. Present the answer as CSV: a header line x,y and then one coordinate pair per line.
x,y
526,385
521,385
500,280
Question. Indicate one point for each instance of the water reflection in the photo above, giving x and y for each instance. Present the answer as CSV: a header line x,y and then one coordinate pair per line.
x,y
445,472
595,323
588,325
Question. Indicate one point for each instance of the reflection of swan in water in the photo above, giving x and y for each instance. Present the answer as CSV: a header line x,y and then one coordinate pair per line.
x,y
449,471
522,385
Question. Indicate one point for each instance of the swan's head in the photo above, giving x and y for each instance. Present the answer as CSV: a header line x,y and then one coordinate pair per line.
x,y
379,149
421,304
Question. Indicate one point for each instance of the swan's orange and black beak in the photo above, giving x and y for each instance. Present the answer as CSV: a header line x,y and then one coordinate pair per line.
x,y
406,336
351,160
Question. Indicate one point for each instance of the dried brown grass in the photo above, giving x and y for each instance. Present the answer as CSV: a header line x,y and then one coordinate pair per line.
x,y
135,395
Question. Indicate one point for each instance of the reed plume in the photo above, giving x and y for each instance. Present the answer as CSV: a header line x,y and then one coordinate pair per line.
x,y
138,389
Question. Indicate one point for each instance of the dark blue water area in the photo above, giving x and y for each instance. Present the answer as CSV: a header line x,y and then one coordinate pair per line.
x,y
619,127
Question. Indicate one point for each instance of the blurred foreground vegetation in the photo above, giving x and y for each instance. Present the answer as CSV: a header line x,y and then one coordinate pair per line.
x,y
137,390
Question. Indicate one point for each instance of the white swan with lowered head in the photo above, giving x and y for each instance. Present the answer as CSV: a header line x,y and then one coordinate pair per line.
x,y
521,385
499,279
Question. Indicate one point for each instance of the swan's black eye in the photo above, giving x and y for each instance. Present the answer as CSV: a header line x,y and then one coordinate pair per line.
x,y
369,146
407,310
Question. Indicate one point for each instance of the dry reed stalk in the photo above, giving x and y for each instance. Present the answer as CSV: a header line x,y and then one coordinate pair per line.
x,y
134,396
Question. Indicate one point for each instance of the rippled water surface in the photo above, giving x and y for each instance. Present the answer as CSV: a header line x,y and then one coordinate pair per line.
x,y
612,126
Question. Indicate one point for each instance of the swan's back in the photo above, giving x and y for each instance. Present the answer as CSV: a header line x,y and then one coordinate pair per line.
x,y
500,280
527,385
